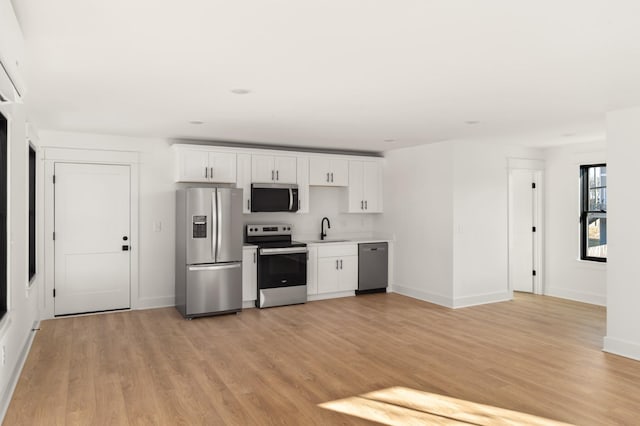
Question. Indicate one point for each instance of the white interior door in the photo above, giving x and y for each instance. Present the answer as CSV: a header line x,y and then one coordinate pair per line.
x,y
521,219
92,230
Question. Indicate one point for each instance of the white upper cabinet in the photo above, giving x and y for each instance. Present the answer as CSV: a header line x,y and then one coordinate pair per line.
x,y
244,181
273,169
196,165
303,184
365,187
328,171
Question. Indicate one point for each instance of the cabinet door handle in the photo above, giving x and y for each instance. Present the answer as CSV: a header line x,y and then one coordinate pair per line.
x,y
248,205
272,175
361,205
366,207
211,174
327,176
337,264
254,257
206,173
340,263
277,174
331,177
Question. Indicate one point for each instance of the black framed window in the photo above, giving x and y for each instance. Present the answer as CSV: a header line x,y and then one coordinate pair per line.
x,y
3,215
593,215
32,212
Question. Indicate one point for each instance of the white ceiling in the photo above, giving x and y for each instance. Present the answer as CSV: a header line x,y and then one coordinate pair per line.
x,y
332,73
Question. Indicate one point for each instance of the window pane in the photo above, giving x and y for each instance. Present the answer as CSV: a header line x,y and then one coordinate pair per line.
x,y
597,187
596,235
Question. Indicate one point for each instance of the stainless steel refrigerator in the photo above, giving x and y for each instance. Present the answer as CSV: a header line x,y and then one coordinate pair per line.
x,y
208,251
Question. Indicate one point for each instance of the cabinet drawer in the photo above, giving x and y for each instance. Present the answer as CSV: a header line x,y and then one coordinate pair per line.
x,y
338,250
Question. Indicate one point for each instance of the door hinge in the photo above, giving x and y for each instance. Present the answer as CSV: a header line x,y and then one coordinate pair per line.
x,y
534,272
533,229
54,292
54,179
533,185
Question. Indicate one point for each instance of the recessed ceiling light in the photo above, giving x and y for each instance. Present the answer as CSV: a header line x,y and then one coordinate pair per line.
x,y
471,122
240,91
390,140
196,122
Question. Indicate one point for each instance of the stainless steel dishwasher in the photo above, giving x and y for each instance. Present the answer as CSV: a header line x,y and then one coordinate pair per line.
x,y
373,268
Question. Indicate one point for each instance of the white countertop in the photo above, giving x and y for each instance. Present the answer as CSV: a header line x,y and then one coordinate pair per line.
x,y
336,241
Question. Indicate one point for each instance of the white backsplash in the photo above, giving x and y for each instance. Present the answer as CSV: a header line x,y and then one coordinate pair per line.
x,y
324,202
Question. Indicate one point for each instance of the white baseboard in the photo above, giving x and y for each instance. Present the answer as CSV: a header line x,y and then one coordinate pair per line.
x,y
578,296
423,295
156,302
246,304
5,399
481,299
622,347
324,296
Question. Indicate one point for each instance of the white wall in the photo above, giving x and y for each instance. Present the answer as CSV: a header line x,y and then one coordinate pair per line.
x,y
480,240
16,326
418,212
157,205
447,204
623,276
566,275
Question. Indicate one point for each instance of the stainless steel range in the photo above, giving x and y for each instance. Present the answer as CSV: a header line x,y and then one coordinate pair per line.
x,y
282,265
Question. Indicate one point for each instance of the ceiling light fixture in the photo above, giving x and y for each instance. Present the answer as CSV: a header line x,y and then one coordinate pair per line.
x,y
389,140
196,122
471,122
240,91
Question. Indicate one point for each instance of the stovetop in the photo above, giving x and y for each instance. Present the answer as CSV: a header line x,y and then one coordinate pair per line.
x,y
279,244
271,236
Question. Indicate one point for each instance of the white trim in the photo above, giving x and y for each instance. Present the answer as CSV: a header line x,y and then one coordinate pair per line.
x,y
155,302
578,296
248,304
621,347
5,399
423,295
87,156
324,296
481,299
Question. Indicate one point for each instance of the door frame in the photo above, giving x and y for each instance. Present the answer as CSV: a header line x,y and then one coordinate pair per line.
x,y
51,156
537,167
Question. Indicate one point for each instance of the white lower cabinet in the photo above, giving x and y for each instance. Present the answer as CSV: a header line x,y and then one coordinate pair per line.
x,y
337,268
249,274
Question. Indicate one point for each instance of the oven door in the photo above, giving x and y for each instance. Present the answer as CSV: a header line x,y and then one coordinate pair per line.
x,y
282,267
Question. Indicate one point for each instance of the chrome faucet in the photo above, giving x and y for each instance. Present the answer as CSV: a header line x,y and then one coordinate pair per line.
x,y
322,231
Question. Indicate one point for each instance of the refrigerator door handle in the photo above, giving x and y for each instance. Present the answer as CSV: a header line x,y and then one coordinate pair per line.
x,y
196,268
214,227
219,222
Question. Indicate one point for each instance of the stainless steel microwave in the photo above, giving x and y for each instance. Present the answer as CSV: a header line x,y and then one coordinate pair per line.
x,y
274,197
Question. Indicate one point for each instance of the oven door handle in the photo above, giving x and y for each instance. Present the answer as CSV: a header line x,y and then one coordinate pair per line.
x,y
286,250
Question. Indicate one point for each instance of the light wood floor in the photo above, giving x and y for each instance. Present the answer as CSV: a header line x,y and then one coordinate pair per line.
x,y
536,355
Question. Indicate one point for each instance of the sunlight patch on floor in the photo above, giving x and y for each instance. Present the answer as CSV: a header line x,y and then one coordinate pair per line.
x,y
404,406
